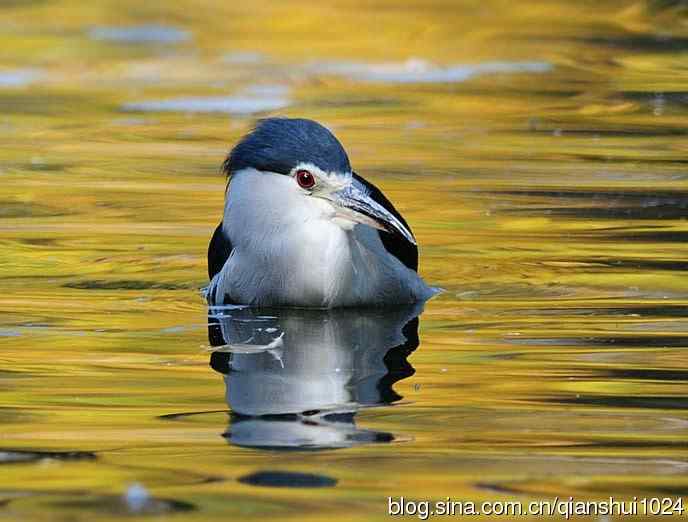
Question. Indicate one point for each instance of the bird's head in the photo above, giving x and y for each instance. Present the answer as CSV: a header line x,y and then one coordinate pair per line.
x,y
314,174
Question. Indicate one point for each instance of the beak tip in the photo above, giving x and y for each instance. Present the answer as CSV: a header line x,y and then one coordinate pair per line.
x,y
403,233
411,240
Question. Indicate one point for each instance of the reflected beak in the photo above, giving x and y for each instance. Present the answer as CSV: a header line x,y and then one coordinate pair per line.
x,y
355,205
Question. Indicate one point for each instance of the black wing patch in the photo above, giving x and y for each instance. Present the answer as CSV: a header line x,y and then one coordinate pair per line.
x,y
218,251
404,251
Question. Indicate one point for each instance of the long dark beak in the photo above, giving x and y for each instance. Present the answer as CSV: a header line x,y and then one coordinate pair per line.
x,y
357,206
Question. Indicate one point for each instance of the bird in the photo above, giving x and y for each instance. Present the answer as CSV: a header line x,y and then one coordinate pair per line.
x,y
301,229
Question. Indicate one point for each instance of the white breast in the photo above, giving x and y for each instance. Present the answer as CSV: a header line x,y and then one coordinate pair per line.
x,y
288,251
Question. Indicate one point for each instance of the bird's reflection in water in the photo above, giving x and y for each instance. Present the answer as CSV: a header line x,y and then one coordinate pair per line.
x,y
295,379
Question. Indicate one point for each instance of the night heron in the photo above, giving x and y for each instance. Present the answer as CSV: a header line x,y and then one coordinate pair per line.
x,y
301,228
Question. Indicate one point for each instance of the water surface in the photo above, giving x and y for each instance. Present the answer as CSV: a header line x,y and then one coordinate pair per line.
x,y
539,153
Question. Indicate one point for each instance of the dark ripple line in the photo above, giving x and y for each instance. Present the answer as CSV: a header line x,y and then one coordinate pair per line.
x,y
636,401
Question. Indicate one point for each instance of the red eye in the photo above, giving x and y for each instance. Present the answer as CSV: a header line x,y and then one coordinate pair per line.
x,y
305,179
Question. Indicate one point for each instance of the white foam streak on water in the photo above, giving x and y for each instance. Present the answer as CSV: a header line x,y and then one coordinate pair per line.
x,y
421,71
254,100
18,77
140,34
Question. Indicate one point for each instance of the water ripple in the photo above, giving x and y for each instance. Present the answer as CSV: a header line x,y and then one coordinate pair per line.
x,y
251,101
19,77
140,34
421,71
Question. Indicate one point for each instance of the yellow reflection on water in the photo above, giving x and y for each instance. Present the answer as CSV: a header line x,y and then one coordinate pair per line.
x,y
544,178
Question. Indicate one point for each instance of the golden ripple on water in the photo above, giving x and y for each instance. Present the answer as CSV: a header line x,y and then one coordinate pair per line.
x,y
546,189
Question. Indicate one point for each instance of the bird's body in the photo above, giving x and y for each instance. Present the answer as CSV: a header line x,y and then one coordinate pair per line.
x,y
285,242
